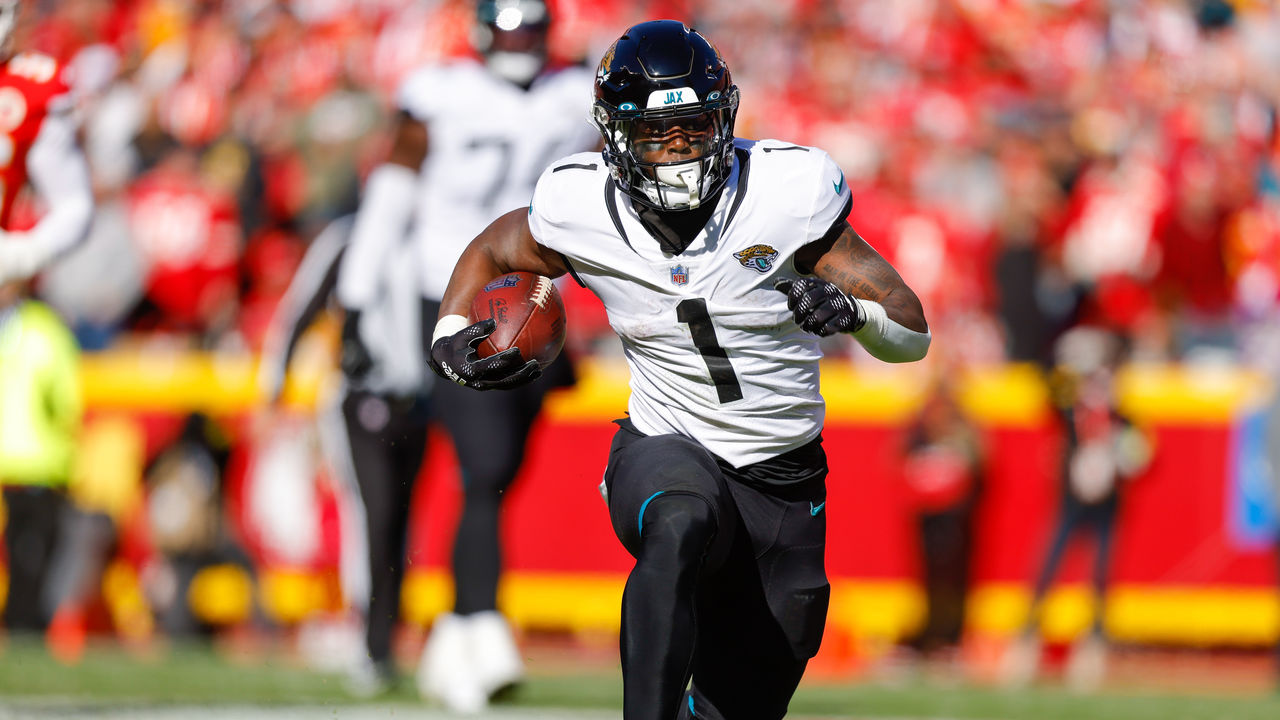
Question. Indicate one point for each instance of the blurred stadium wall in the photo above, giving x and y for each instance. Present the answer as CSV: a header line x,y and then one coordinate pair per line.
x,y
1192,565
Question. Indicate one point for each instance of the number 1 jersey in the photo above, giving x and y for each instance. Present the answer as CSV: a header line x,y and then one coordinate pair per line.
x,y
713,350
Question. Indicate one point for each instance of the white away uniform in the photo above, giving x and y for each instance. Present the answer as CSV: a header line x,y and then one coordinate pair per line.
x,y
490,140
681,317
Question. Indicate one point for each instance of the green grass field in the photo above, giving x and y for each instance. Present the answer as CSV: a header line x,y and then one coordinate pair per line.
x,y
194,681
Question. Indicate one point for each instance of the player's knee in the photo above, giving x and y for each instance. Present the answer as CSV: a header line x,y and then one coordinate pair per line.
x,y
678,527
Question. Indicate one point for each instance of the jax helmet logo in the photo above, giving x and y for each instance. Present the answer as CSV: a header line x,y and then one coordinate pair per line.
x,y
679,275
757,257
505,281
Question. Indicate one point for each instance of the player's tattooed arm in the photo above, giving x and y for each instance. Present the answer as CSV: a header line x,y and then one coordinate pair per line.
x,y
505,246
845,259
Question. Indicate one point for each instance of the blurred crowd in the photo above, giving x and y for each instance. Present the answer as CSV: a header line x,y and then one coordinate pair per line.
x,y
1028,165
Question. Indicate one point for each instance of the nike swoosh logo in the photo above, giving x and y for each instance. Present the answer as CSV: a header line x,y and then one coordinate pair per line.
x,y
815,509
839,185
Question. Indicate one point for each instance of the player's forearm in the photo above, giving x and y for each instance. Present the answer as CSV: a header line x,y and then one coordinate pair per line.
x,y
505,246
893,327
477,266
903,307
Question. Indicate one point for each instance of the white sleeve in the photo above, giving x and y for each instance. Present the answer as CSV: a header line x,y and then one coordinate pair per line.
x,y
57,169
833,201
380,224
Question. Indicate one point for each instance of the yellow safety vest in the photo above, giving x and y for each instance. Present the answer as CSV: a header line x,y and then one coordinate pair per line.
x,y
40,399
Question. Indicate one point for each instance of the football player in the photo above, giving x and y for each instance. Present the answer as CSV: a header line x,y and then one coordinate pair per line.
x,y
471,139
720,262
37,144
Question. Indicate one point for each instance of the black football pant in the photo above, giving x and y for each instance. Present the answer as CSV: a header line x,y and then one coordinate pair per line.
x,y
30,536
387,437
729,586
490,431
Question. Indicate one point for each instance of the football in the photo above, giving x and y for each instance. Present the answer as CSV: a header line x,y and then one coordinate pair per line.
x,y
529,315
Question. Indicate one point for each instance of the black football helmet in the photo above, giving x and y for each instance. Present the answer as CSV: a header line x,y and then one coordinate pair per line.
x,y
664,71
512,37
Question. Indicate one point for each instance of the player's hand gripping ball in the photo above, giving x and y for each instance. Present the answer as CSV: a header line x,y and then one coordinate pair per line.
x,y
528,314
518,328
820,307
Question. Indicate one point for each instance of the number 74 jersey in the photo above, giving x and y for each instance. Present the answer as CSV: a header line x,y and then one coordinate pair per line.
x,y
489,143
713,350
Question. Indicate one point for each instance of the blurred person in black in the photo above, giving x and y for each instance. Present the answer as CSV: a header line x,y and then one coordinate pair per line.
x,y
469,141
942,462
374,436
1102,450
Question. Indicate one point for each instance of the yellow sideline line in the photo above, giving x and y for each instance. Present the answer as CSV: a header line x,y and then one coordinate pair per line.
x,y
869,614
873,613
1007,395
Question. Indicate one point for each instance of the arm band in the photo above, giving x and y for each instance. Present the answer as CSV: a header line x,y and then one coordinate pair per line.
x,y
448,325
887,340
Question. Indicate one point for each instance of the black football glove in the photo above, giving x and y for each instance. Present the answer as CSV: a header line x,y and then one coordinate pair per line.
x,y
355,360
820,307
454,358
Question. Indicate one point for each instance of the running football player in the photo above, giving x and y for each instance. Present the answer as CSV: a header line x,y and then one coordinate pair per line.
x,y
720,262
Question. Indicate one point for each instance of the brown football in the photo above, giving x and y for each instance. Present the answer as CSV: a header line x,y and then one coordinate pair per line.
x,y
529,315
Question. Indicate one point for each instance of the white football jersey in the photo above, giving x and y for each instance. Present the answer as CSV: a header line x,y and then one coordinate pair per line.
x,y
714,353
489,142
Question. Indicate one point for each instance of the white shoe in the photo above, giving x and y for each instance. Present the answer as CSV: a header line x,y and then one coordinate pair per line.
x,y
1021,662
366,679
1087,666
446,672
494,650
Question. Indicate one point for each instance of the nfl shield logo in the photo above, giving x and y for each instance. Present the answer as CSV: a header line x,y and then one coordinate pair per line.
x,y
679,275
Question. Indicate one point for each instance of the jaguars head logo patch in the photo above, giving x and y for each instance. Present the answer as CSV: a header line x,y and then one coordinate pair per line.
x,y
606,62
757,257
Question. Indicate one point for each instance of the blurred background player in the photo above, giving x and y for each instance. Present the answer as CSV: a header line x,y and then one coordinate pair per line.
x,y
942,466
39,387
39,138
470,141
375,434
1101,450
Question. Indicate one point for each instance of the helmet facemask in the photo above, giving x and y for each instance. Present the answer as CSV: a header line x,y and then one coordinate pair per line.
x,y
634,138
